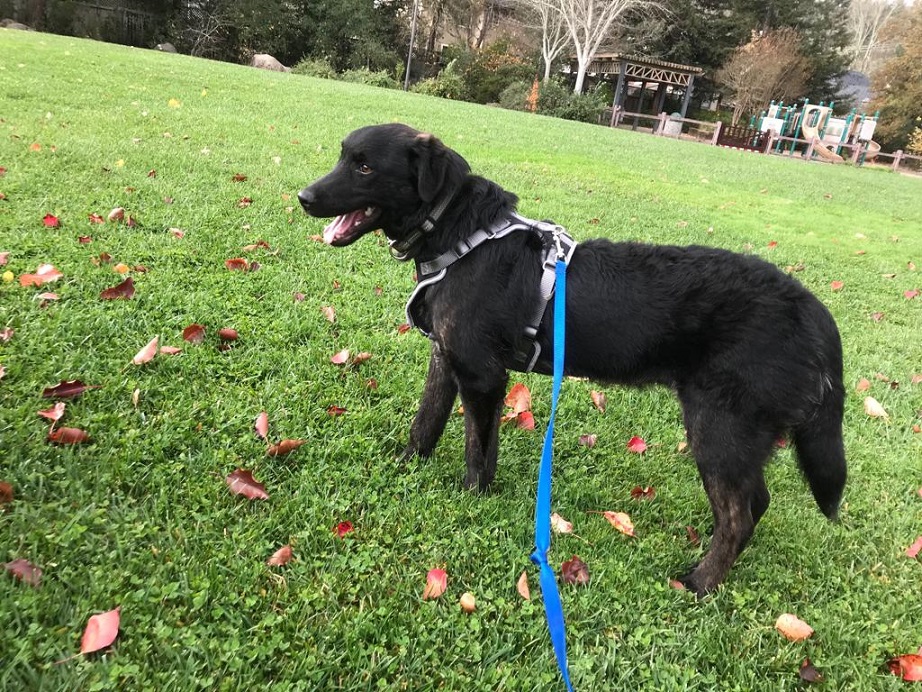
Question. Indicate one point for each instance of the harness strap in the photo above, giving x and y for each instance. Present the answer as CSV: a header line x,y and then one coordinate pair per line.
x,y
402,250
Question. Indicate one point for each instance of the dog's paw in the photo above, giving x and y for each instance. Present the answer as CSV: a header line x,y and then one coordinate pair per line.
x,y
697,583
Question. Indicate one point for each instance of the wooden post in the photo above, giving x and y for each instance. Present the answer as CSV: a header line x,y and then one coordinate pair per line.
x,y
809,153
716,137
897,157
770,143
661,126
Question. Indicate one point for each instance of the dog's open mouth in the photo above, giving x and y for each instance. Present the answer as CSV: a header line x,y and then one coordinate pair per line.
x,y
346,228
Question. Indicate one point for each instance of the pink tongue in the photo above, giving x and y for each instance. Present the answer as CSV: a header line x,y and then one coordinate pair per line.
x,y
341,225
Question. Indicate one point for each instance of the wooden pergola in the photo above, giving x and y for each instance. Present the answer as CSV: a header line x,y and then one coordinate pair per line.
x,y
631,68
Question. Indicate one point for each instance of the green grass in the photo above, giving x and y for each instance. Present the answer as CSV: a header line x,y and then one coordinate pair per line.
x,y
141,518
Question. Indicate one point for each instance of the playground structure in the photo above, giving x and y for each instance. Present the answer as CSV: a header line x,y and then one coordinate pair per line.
x,y
826,134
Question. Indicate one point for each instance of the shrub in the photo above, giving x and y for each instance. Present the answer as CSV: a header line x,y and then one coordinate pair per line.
x,y
515,96
363,75
555,98
314,67
448,84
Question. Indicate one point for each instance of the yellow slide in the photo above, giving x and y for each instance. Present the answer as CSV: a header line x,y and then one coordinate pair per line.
x,y
812,134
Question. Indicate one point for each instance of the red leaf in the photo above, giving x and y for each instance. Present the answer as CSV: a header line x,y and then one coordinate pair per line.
x,y
643,493
525,421
177,233
6,493
96,218
693,536
255,246
335,410
877,316
599,400
24,571
342,528
575,571
280,557
809,673
54,413
194,334
170,350
51,221
46,273
588,440
792,627
84,239
909,295
117,214
122,291
152,173
772,244
519,398
914,549
100,632
360,358
298,296
341,357
908,667
68,389
237,264
283,448
244,202
637,445
837,285
239,177
241,482
863,385
68,436
436,583
227,334
404,328
4,257
146,354
262,425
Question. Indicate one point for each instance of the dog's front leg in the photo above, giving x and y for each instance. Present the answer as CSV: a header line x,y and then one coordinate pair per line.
x,y
483,403
434,408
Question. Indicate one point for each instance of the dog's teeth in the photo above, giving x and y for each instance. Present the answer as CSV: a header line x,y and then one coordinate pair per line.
x,y
369,211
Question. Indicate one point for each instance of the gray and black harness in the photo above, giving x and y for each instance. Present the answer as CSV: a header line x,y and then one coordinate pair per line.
x,y
557,244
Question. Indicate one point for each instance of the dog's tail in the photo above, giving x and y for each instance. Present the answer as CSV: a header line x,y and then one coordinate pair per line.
x,y
820,450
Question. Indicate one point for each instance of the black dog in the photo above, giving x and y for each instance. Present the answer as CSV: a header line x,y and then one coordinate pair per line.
x,y
751,354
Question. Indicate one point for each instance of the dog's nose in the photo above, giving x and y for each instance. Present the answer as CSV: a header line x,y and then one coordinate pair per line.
x,y
307,197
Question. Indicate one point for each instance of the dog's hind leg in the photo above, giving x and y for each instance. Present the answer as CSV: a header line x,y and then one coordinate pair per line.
x,y
434,407
730,451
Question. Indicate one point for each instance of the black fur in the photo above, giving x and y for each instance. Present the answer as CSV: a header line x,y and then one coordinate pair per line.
x,y
751,354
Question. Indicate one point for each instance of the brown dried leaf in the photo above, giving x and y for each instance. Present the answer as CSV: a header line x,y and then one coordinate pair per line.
x,y
280,557
283,448
241,482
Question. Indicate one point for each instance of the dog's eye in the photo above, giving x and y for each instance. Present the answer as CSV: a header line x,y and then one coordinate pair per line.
x,y
364,169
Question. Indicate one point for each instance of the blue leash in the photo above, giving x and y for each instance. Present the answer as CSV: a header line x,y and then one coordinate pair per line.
x,y
552,606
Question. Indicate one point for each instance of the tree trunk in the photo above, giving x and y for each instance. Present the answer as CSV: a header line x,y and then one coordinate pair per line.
x,y
581,69
433,32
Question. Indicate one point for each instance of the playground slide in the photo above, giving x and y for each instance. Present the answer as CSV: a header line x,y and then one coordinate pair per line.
x,y
873,151
820,149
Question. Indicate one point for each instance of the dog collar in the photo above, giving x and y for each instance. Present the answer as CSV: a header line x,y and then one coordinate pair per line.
x,y
402,250
562,246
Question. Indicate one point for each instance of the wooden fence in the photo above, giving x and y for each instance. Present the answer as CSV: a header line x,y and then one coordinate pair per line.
x,y
748,139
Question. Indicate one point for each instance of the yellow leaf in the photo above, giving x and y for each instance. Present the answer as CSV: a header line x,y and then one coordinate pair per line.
x,y
173,103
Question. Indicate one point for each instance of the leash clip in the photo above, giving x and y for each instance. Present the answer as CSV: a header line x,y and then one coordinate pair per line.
x,y
558,232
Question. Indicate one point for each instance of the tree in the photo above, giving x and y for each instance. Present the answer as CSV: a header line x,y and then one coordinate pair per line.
x,y
898,83
768,67
554,35
866,19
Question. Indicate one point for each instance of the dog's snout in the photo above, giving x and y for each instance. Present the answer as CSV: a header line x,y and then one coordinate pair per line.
x,y
307,198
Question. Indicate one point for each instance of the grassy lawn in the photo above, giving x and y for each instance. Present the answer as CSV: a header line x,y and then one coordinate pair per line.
x,y
140,517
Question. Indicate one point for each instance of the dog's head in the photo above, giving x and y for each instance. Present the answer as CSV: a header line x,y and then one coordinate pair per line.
x,y
387,177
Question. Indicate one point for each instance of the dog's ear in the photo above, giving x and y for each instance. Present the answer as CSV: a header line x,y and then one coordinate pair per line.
x,y
437,166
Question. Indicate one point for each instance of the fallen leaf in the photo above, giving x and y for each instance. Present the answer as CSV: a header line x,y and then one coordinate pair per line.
x,y
146,354
298,297
329,313
116,214
522,586
122,291
343,528
643,493
588,440
792,627
877,316
360,358
873,408
121,268
46,273
599,400
916,379
436,583
914,549
772,244
467,602
341,357
519,398
262,425
864,384
280,557
908,667
621,521
636,445
334,410
45,297
244,202
170,350
693,536
525,421
135,397
51,221
809,673
194,334
95,218
68,436
227,334
4,257
237,264
68,389
24,571
100,632
575,571
560,525
55,412
239,178
909,295
404,328
6,493
177,233
7,333
284,448
837,285
255,246
241,482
